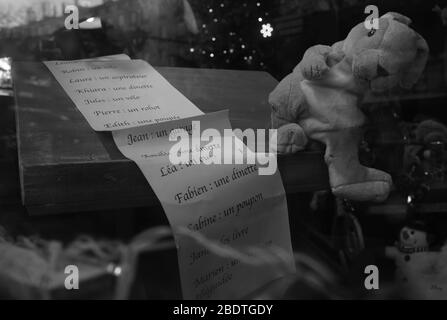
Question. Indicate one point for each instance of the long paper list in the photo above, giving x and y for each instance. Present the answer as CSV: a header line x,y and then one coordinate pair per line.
x,y
228,204
115,95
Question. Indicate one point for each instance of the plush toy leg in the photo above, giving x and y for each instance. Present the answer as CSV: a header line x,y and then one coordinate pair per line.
x,y
348,178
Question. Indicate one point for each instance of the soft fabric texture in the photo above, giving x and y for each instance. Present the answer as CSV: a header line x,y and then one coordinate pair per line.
x,y
320,99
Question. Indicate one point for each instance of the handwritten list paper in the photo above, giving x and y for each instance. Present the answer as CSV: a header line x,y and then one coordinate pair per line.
x,y
227,204
116,95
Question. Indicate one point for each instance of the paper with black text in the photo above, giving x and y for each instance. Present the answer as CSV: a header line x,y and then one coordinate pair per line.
x,y
227,204
118,94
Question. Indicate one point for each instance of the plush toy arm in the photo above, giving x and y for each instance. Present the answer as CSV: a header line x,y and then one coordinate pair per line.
x,y
314,63
287,100
290,139
338,46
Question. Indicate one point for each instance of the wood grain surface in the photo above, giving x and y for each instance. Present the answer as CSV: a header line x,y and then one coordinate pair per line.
x,y
65,166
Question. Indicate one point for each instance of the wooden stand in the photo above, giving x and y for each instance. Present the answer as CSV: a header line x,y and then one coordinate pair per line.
x,y
65,166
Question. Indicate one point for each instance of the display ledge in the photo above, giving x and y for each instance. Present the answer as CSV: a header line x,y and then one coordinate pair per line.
x,y
9,185
65,166
396,207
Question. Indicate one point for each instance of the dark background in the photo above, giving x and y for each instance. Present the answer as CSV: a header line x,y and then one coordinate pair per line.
x,y
223,26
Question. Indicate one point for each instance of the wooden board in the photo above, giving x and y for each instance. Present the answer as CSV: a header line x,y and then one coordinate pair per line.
x,y
9,175
65,166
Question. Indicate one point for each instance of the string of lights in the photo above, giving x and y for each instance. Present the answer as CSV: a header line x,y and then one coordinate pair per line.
x,y
233,34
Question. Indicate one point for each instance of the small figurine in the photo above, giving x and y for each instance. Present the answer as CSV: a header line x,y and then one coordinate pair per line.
x,y
420,270
413,238
425,160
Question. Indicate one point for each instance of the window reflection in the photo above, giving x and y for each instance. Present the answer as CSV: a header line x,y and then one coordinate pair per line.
x,y
268,35
5,73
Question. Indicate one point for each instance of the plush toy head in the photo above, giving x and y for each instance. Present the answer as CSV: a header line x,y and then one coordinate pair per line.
x,y
430,131
390,56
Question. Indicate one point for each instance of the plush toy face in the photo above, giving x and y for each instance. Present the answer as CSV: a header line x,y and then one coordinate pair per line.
x,y
392,55
412,238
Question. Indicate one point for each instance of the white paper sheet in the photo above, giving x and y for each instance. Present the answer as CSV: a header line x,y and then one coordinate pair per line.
x,y
229,204
109,58
115,94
